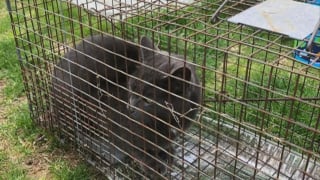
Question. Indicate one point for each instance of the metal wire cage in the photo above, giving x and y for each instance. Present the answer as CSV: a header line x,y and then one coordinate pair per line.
x,y
259,113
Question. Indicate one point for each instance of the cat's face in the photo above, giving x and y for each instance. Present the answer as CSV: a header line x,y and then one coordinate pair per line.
x,y
163,95
162,90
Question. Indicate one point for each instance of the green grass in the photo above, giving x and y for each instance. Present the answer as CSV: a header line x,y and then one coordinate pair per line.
x,y
9,67
19,135
62,170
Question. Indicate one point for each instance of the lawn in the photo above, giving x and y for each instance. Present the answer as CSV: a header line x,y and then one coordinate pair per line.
x,y
26,151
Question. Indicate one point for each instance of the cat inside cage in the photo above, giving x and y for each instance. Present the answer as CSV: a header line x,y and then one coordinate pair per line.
x,y
136,98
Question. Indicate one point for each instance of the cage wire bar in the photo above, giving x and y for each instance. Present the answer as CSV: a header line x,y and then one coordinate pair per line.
x,y
260,111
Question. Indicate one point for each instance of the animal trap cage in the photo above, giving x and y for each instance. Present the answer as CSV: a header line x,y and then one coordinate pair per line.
x,y
259,113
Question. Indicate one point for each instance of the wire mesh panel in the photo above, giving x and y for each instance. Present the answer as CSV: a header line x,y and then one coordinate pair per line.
x,y
169,89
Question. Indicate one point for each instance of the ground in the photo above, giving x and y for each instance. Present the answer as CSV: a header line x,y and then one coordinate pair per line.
x,y
36,164
27,151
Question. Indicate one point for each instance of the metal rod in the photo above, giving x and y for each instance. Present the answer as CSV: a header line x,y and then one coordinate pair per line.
x,y
8,5
216,13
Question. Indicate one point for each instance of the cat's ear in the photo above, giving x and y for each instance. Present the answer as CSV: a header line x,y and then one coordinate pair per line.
x,y
183,73
149,50
180,70
177,72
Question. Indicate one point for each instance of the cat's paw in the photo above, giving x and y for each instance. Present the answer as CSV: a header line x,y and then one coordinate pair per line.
x,y
158,163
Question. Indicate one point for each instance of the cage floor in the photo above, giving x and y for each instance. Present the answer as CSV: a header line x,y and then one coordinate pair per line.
x,y
210,156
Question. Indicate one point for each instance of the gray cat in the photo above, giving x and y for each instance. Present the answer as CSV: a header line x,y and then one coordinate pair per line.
x,y
136,99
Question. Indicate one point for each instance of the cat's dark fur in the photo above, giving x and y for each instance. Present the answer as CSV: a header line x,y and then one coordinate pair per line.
x,y
139,113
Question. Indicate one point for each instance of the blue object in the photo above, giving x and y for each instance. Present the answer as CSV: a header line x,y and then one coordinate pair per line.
x,y
316,2
309,52
305,57
308,56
